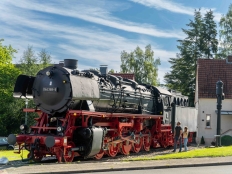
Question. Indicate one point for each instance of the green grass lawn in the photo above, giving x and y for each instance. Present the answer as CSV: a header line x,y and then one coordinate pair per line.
x,y
203,152
13,156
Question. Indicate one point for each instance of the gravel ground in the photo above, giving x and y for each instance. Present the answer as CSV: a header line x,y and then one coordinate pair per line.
x,y
152,152
119,157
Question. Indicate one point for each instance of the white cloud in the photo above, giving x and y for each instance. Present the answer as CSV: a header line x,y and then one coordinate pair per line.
x,y
167,5
99,16
174,7
23,26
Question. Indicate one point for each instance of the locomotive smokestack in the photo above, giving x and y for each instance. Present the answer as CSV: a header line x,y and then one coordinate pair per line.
x,y
70,63
103,69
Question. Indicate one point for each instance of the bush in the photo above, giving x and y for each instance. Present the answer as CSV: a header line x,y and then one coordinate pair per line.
x,y
202,140
213,143
226,140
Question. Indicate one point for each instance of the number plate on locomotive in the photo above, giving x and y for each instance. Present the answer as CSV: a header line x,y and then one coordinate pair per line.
x,y
49,89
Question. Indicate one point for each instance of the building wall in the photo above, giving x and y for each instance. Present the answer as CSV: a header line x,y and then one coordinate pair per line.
x,y
188,117
208,106
196,102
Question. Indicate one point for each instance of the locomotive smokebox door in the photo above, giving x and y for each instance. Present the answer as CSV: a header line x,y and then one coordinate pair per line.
x,y
52,90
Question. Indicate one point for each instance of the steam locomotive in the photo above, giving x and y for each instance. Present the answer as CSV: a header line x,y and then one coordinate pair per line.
x,y
90,114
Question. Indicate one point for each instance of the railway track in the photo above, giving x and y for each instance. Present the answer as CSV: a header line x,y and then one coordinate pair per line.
x,y
119,157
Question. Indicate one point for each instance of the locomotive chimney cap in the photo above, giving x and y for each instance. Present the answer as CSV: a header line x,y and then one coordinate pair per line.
x,y
104,69
70,63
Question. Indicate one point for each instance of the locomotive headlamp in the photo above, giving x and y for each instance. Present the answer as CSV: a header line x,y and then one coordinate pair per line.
x,y
59,129
49,73
22,127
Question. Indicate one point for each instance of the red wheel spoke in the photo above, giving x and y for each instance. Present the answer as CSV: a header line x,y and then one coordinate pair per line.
x,y
69,155
113,150
99,155
126,147
138,145
147,140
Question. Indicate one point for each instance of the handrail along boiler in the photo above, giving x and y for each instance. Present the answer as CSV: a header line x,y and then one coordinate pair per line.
x,y
91,114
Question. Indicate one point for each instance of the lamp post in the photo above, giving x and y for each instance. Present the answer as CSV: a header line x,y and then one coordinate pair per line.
x,y
26,103
220,97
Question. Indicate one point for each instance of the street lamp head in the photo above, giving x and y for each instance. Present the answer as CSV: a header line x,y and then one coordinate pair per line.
x,y
219,87
26,101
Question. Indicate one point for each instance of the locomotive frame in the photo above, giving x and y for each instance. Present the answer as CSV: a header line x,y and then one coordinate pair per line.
x,y
116,140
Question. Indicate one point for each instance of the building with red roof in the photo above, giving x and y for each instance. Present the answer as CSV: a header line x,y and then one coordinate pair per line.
x,y
209,72
125,75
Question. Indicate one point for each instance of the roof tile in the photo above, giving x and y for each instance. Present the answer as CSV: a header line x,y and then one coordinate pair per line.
x,y
209,72
125,75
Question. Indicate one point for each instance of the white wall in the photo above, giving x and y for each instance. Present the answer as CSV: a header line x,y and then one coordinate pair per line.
x,y
208,106
188,117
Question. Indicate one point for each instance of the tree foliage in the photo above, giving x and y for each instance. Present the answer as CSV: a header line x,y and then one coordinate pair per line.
x,y
9,107
11,115
209,36
44,59
8,72
30,63
200,42
142,64
111,71
225,33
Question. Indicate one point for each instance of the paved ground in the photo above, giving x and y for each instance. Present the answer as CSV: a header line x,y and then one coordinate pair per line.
x,y
99,166
112,164
223,169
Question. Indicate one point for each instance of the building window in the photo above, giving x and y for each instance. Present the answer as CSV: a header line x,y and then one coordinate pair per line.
x,y
208,121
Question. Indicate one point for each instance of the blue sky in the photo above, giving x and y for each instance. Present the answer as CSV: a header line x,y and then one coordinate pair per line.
x,y
95,32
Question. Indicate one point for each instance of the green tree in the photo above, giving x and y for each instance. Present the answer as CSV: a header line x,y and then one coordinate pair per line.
x,y
111,71
11,115
209,35
9,118
6,54
44,59
142,64
200,42
28,62
7,70
225,34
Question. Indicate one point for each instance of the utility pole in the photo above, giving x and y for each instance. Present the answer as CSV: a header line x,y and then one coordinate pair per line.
x,y
220,97
26,103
